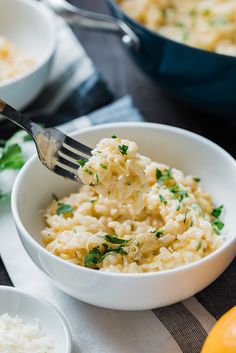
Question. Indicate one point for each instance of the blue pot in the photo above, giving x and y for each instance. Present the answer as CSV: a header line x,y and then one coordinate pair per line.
x,y
203,79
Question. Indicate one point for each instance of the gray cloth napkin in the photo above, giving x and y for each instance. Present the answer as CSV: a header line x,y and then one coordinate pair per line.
x,y
178,328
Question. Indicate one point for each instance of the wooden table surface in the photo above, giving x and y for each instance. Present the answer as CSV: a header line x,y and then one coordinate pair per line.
x,y
124,77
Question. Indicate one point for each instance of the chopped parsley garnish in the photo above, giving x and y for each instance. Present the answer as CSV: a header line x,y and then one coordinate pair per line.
x,y
179,193
199,245
182,194
158,233
174,188
103,166
218,225
114,240
11,157
162,199
88,171
93,258
64,208
54,196
191,224
161,177
217,211
178,208
158,174
114,137
82,162
97,177
197,180
123,149
185,217
93,200
118,250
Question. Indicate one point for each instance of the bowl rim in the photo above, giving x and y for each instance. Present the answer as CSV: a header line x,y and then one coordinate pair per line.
x,y
42,301
45,12
117,7
16,188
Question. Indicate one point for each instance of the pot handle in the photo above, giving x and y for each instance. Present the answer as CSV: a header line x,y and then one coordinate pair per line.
x,y
94,21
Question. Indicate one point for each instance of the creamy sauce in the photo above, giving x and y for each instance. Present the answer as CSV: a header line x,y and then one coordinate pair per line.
x,y
47,147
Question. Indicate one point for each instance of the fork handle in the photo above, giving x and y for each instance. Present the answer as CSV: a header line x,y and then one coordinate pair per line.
x,y
17,118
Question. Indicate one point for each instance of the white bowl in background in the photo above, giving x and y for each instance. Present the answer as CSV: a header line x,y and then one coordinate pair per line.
x,y
30,26
178,148
29,308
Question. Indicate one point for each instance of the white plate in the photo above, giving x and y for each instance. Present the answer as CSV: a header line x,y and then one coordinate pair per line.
x,y
30,308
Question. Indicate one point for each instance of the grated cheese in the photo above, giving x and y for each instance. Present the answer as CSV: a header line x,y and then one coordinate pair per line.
x,y
19,337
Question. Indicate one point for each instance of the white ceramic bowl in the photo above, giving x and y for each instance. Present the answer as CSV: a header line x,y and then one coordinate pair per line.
x,y
29,308
30,25
178,148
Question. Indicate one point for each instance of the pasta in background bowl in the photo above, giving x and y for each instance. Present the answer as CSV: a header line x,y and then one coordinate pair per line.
x,y
131,291
12,61
26,24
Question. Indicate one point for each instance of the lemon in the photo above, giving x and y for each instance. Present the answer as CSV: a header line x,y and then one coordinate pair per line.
x,y
222,337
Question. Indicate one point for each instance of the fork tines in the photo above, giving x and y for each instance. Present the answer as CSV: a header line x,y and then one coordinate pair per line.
x,y
68,155
77,146
65,173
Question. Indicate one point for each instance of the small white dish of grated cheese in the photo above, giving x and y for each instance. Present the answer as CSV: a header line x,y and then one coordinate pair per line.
x,y
29,324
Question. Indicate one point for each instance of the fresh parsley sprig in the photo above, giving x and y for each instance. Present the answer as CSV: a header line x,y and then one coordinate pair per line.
x,y
11,157
11,154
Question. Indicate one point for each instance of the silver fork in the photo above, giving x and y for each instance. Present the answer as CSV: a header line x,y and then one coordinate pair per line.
x,y
57,151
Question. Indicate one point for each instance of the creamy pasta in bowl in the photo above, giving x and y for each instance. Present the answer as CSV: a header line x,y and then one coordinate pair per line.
x,y
133,215
118,262
209,25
